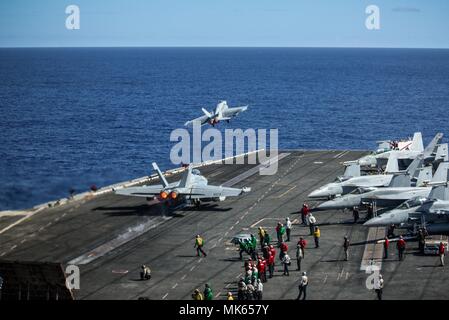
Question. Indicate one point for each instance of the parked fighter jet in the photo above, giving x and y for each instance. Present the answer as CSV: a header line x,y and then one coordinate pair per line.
x,y
388,145
332,189
431,212
406,153
192,188
222,113
403,185
412,184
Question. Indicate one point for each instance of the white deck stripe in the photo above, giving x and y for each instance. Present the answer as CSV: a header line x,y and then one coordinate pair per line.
x,y
119,241
373,254
254,170
20,220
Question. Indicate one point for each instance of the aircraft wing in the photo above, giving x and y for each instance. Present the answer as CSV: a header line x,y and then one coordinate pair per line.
x,y
212,192
142,191
202,120
232,112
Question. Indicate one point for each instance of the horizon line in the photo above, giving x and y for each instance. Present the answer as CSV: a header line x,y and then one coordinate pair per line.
x,y
231,47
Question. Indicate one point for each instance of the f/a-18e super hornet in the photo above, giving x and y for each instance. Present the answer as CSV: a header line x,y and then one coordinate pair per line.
x,y
406,154
346,185
388,145
222,113
402,187
192,188
431,213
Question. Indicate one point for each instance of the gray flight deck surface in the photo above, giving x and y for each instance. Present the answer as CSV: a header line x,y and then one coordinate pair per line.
x,y
110,236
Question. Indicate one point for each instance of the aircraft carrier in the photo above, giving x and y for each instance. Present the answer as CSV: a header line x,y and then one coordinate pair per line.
x,y
109,237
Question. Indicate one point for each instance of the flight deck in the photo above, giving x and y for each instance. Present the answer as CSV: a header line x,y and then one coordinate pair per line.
x,y
110,236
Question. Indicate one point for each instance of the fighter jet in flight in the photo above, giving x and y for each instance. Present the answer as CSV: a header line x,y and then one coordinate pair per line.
x,y
192,188
222,113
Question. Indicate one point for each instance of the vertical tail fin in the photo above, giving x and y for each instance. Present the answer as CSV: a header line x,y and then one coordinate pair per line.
x,y
413,168
400,180
442,152
207,113
430,148
417,144
440,192
161,176
392,164
186,177
442,173
424,176
352,170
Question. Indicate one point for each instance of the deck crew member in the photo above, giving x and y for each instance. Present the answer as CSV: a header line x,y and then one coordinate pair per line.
x,y
378,286
197,295
346,245
259,290
270,263
401,247
304,213
386,245
299,256
302,243
312,221
208,295
199,243
441,253
288,227
286,261
303,283
316,237
356,214
262,234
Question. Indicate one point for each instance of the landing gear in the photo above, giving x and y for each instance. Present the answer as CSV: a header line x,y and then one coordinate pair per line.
x,y
197,203
144,276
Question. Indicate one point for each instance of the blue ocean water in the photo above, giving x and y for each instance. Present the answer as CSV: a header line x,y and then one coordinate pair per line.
x,y
71,118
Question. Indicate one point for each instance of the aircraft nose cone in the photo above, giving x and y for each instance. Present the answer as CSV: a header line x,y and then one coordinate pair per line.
x,y
373,222
327,205
318,194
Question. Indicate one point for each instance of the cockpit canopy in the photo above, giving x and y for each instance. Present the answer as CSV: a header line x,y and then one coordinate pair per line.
x,y
196,172
362,190
413,202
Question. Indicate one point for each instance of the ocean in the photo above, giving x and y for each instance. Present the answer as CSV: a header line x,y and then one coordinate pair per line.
x,y
74,117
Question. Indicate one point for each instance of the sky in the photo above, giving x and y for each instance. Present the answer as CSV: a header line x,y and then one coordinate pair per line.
x,y
247,23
